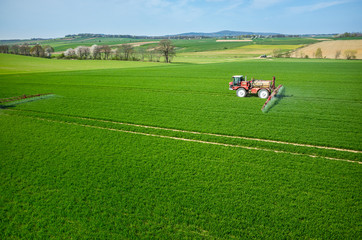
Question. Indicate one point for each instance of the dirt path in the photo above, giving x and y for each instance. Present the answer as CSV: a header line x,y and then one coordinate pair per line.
x,y
188,139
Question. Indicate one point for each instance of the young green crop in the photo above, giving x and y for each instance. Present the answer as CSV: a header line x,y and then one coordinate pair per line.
x,y
14,64
62,180
196,97
67,173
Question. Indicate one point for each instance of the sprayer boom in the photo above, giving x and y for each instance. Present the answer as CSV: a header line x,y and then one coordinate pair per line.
x,y
272,95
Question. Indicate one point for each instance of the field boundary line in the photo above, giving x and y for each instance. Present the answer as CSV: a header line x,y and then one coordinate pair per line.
x,y
194,140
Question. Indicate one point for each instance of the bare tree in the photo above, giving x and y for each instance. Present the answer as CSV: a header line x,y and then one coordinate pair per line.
x,y
106,50
95,51
114,54
141,52
119,53
24,49
14,49
338,54
4,49
127,50
151,52
167,49
37,51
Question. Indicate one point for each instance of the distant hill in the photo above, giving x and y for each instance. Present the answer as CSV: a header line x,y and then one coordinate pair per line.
x,y
220,34
224,33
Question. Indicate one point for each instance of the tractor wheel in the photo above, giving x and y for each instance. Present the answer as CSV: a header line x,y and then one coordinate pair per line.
x,y
241,92
263,93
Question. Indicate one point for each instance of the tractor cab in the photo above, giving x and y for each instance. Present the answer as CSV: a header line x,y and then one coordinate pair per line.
x,y
237,80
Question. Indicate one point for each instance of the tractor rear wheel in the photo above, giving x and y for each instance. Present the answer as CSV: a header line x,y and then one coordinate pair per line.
x,y
241,92
263,93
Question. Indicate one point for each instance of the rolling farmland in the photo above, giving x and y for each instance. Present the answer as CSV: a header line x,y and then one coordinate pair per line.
x,y
153,150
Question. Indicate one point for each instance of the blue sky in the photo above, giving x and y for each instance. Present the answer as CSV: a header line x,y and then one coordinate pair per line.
x,y
56,18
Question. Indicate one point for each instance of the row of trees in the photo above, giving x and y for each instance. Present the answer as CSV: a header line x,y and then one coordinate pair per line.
x,y
105,52
347,35
24,49
126,52
165,48
93,35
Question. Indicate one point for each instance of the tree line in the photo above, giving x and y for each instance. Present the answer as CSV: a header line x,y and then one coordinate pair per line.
x,y
95,35
347,35
128,52
24,49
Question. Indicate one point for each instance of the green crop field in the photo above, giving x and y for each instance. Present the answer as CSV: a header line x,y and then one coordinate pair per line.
x,y
127,150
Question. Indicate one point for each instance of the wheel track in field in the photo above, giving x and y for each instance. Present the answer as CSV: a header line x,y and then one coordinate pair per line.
x,y
185,139
210,134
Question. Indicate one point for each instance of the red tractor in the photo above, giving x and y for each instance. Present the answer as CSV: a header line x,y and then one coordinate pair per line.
x,y
243,87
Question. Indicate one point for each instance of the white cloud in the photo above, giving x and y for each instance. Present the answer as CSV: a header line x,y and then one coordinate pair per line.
x,y
315,7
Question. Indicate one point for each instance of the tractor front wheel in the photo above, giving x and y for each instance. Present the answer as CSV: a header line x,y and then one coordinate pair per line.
x,y
263,93
241,92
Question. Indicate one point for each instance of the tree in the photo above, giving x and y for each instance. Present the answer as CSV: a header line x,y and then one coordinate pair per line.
x,y
141,52
167,49
24,49
15,49
127,50
48,51
277,53
350,54
338,54
150,52
119,53
95,51
4,49
69,53
82,52
37,51
86,52
106,50
318,53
